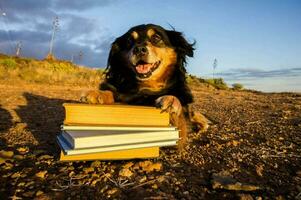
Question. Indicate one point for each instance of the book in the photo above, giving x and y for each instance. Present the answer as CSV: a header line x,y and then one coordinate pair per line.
x,y
86,127
141,153
68,150
114,115
93,138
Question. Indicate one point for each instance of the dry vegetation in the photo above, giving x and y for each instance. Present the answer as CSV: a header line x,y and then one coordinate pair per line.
x,y
252,150
14,69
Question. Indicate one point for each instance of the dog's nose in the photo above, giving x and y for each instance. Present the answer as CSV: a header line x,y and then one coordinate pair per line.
x,y
140,50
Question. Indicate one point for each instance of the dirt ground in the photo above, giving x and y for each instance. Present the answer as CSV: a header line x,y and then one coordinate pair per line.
x,y
252,150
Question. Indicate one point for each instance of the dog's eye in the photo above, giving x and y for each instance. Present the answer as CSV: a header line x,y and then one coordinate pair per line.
x,y
155,38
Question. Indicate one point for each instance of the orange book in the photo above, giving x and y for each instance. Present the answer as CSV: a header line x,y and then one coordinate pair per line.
x,y
114,115
142,153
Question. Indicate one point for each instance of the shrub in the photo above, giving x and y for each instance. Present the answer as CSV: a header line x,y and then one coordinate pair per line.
x,y
237,86
8,63
218,83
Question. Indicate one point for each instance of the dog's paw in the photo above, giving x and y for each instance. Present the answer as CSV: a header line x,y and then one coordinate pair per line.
x,y
170,104
200,122
97,97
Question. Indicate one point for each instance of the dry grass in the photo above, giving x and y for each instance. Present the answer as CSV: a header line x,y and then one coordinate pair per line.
x,y
59,72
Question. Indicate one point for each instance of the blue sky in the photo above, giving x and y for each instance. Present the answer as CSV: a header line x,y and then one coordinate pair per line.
x,y
257,43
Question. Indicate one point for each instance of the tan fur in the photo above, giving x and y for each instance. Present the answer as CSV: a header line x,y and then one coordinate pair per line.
x,y
150,32
98,97
135,35
160,76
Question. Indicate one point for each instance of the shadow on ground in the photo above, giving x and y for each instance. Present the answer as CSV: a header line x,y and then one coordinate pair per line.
x,y
43,117
5,123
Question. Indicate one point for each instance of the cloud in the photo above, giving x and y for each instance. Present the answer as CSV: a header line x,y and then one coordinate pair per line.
x,y
80,5
30,21
251,73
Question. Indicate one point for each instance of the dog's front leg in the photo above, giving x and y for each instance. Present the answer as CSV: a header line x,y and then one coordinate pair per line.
x,y
172,105
98,97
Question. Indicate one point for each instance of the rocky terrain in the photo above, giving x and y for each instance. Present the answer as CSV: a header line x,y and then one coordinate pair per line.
x,y
252,150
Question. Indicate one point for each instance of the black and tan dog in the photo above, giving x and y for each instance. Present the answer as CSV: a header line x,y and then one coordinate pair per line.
x,y
146,66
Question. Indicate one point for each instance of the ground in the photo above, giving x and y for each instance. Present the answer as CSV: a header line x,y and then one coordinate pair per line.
x,y
252,150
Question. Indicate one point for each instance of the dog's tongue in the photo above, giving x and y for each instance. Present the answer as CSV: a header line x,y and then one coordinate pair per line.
x,y
143,68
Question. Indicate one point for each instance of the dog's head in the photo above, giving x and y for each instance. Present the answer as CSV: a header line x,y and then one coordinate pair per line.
x,y
148,52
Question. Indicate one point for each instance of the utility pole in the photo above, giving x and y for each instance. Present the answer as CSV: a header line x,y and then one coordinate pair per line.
x,y
55,28
214,67
18,48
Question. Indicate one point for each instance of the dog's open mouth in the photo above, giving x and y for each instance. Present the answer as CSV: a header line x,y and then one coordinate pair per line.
x,y
145,70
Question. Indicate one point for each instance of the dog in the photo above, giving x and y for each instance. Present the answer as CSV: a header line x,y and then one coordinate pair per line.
x,y
146,66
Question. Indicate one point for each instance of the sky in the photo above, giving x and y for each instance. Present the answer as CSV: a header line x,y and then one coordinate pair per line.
x,y
256,42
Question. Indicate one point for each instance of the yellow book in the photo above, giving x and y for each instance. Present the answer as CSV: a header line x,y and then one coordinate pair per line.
x,y
142,153
114,115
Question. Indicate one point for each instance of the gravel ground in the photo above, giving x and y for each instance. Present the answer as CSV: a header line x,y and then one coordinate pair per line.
x,y
252,150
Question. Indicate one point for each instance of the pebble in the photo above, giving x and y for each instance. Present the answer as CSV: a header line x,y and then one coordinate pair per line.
x,y
148,166
128,165
15,175
18,157
113,191
29,194
228,183
39,193
245,197
88,170
96,163
41,174
45,157
125,173
23,150
6,154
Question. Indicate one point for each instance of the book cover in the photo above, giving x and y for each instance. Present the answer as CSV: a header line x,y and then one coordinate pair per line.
x,y
141,153
114,115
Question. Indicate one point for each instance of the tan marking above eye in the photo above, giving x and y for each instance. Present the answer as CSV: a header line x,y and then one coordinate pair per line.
x,y
150,32
135,35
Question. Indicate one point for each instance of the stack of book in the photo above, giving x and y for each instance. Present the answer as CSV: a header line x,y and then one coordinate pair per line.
x,y
114,132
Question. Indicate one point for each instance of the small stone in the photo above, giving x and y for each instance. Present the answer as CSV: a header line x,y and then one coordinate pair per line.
x,y
94,182
28,194
235,143
220,181
21,184
23,150
15,175
153,167
6,154
96,163
125,173
259,170
41,174
2,160
39,193
245,197
88,170
18,157
113,191
45,157
128,165
155,186
143,179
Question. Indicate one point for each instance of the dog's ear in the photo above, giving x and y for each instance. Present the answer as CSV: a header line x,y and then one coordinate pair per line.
x,y
180,43
115,49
